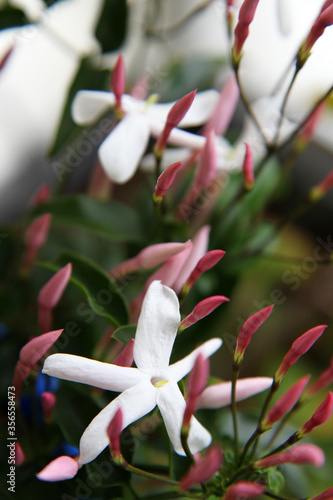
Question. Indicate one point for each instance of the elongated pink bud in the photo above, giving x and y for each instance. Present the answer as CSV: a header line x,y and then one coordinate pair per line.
x,y
50,295
325,379
114,431
41,196
165,181
298,348
320,416
150,257
244,489
325,495
317,192
118,81
250,326
286,402
209,260
219,395
59,469
201,310
324,20
30,354
204,469
199,249
326,5
207,169
300,454
311,124
19,454
35,238
245,18
48,401
125,357
175,115
197,383
225,108
35,349
248,168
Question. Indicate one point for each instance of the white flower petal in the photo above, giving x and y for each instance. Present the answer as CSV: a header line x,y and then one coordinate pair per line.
x,y
178,370
134,402
219,395
171,404
157,328
92,372
89,105
120,153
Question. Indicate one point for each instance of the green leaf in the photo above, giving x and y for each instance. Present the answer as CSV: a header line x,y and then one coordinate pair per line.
x,y
110,220
111,28
103,297
125,333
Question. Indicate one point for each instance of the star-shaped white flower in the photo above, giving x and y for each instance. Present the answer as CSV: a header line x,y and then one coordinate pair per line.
x,y
121,152
153,382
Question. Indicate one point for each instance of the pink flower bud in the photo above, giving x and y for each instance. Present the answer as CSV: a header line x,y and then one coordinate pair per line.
x,y
320,416
165,180
300,454
114,431
209,260
35,237
286,402
197,383
204,469
248,168
219,395
41,196
224,111
150,257
118,81
207,169
325,379
244,489
60,469
299,347
50,295
326,5
175,115
19,454
311,123
35,349
250,326
32,352
48,400
199,248
125,357
324,20
201,310
245,18
317,192
325,495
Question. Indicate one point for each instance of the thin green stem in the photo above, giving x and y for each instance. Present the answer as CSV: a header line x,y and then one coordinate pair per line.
x,y
283,107
235,374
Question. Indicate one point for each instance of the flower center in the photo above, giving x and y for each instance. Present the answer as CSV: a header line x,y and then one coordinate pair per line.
x,y
158,381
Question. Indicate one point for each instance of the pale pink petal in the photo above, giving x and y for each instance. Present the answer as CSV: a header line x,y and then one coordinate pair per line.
x,y
219,395
59,469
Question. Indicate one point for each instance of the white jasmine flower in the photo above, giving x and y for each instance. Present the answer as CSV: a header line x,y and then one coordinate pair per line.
x,y
153,382
121,152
